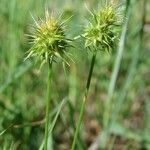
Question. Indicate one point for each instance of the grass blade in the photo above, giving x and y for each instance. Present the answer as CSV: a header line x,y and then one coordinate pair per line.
x,y
51,127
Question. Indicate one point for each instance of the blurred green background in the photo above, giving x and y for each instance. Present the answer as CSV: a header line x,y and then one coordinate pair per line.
x,y
23,87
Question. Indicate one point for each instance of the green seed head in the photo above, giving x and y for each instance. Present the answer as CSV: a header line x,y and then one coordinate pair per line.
x,y
102,32
48,40
108,15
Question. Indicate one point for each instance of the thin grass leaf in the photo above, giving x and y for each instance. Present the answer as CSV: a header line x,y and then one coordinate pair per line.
x,y
5,130
51,127
16,74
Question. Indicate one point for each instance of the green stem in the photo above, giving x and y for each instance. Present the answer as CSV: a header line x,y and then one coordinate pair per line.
x,y
83,102
112,84
48,102
132,68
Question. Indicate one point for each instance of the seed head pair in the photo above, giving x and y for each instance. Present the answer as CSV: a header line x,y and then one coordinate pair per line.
x,y
50,42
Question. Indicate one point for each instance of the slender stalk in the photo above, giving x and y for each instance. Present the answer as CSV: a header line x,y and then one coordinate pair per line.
x,y
112,84
48,102
83,102
133,66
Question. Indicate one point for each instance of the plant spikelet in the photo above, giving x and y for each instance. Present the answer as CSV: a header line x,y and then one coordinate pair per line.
x,y
102,30
48,40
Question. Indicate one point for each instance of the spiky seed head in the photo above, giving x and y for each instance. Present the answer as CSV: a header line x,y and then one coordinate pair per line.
x,y
48,40
102,32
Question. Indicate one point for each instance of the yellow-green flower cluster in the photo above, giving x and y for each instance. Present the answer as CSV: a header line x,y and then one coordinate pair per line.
x,y
101,32
48,40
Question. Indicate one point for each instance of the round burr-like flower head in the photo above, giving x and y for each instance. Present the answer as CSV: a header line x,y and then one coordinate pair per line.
x,y
102,30
49,40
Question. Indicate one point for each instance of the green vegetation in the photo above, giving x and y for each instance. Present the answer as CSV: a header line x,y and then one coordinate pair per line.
x,y
116,113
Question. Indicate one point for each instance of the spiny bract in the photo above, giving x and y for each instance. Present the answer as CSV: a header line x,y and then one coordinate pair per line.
x,y
102,32
49,40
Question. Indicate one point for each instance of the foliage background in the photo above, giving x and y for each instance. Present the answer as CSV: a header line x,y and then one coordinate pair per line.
x,y
22,86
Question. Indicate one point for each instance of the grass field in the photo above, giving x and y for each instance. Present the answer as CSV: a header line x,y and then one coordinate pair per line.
x,y
117,110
